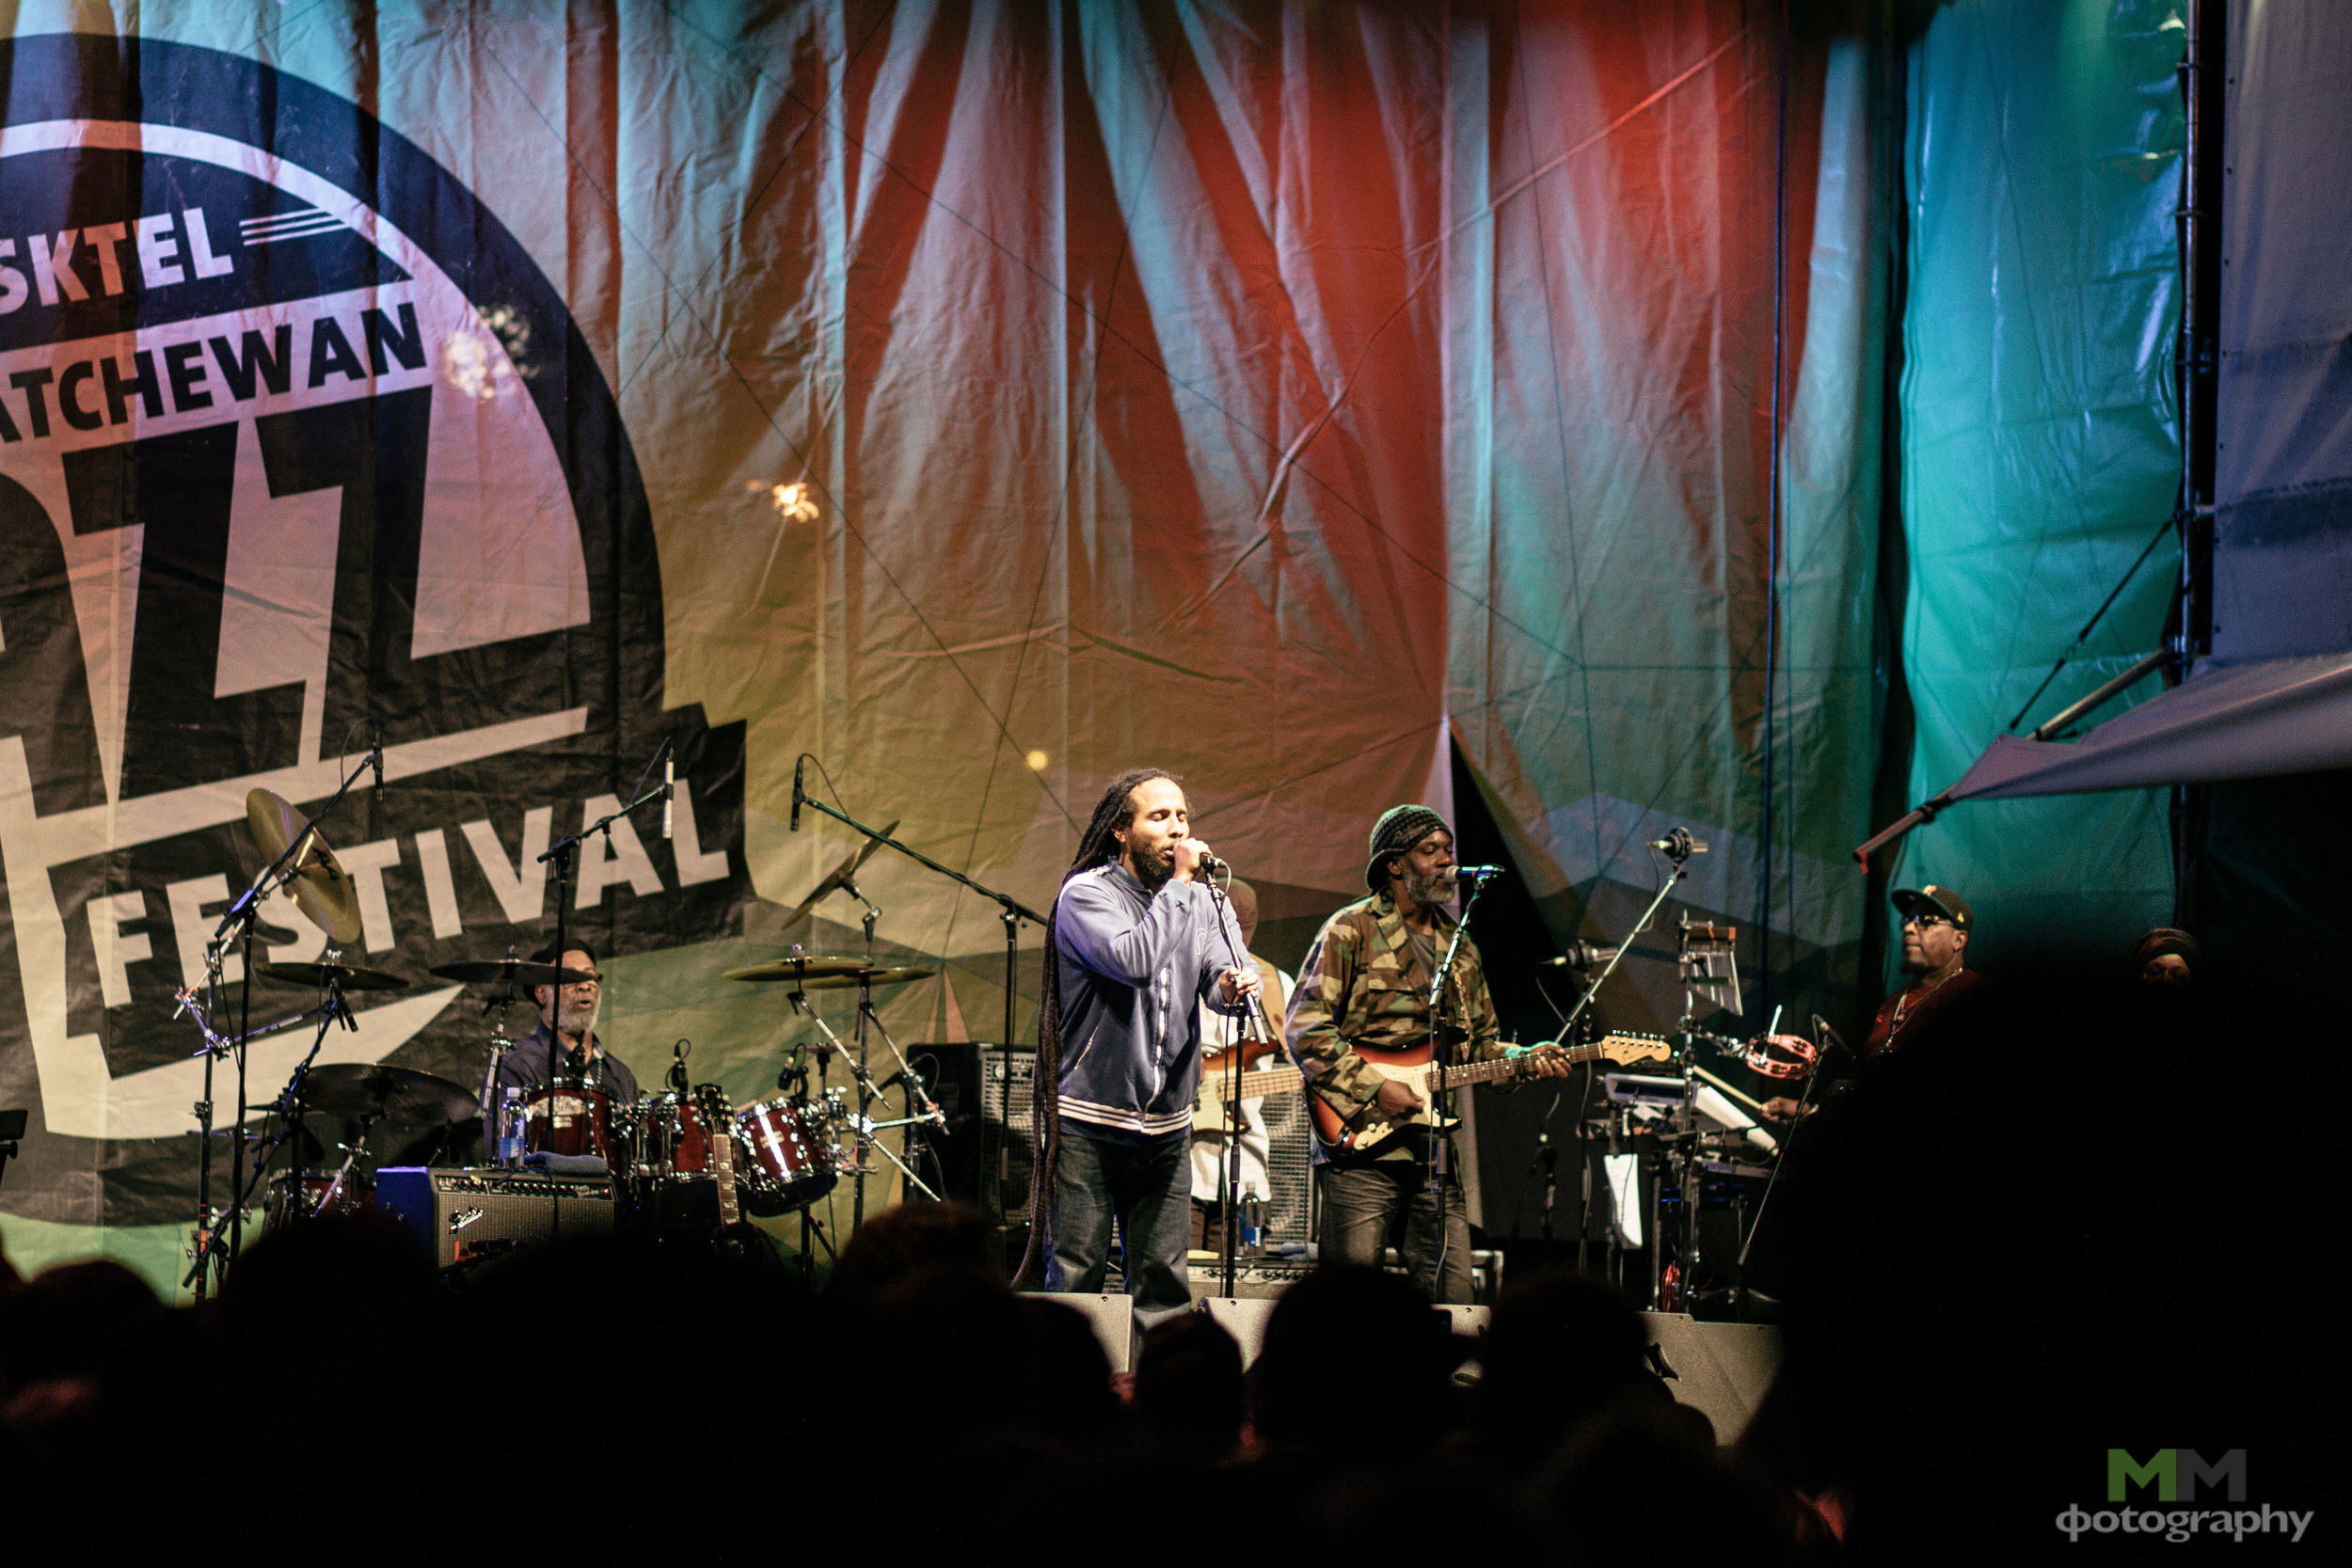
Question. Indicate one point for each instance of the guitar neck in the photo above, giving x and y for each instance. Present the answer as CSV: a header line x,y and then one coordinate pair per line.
x,y
720,1131
1216,1088
1501,1067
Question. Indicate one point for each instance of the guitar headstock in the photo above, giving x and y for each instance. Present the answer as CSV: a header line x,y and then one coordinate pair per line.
x,y
1624,1049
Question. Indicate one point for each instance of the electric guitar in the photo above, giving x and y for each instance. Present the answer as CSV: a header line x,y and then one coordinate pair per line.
x,y
1372,1126
1212,1103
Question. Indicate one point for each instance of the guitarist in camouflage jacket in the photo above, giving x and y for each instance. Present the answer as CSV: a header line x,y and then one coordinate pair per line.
x,y
1365,983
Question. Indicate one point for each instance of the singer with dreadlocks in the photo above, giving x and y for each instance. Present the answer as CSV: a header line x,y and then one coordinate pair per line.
x,y
1138,941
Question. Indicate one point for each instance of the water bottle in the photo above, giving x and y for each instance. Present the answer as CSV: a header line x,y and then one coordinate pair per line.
x,y
1252,1223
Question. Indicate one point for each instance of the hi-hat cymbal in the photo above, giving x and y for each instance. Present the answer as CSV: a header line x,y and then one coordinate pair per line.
x,y
348,977
803,967
371,1091
839,876
873,978
495,971
321,887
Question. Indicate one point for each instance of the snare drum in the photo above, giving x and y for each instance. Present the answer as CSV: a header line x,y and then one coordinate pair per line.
x,y
790,1166
670,1138
560,1121
357,1196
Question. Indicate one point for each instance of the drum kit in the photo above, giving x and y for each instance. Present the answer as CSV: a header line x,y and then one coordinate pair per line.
x,y
777,1156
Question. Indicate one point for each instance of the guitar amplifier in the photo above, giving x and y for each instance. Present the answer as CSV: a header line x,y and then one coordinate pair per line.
x,y
454,1212
983,1154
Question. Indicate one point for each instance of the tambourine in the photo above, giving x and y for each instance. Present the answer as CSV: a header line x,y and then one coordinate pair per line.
x,y
1795,1055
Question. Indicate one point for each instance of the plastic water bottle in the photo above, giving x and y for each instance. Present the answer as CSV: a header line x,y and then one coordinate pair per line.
x,y
1252,1223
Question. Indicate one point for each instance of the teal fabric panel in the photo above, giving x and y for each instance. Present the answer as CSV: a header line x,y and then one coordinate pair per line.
x,y
2041,437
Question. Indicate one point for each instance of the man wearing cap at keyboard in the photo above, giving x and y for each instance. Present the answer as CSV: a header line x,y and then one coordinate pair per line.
x,y
1936,923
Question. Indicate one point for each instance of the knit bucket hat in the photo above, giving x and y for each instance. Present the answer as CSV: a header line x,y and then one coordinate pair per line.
x,y
1399,829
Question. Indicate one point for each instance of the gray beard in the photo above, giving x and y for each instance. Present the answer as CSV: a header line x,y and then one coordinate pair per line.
x,y
1429,890
572,1018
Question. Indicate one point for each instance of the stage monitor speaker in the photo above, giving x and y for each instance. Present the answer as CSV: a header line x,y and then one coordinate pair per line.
x,y
455,1211
1244,1318
1721,1370
1112,1318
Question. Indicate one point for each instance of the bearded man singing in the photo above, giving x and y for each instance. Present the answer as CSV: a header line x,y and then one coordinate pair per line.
x,y
1136,943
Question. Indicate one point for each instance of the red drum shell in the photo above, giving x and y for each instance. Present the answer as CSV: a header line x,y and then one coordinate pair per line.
x,y
670,1133
792,1165
570,1122
358,1197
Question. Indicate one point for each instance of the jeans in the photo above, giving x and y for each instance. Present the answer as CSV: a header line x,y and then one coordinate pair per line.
x,y
1360,1200
1148,1188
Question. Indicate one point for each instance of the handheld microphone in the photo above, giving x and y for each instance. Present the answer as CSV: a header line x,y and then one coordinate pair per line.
x,y
379,766
669,790
1680,843
1211,866
797,794
1581,954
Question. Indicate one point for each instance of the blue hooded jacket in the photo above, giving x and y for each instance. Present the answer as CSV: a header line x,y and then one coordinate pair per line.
x,y
1134,968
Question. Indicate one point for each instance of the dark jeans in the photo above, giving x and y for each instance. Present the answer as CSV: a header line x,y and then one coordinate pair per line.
x,y
1148,1188
1360,1200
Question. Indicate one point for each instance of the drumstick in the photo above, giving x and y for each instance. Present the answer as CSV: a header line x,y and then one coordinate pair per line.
x,y
1727,1089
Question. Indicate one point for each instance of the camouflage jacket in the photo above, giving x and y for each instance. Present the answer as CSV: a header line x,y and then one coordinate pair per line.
x,y
1362,982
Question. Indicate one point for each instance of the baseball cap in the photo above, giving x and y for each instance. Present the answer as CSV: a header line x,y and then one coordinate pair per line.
x,y
1932,900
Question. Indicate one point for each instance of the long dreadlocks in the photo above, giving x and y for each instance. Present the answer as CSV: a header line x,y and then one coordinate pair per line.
x,y
1098,845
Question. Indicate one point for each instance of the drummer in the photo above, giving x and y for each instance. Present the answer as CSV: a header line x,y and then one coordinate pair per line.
x,y
571,1018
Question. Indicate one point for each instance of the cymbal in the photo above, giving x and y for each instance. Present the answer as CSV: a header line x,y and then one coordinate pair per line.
x,y
493,971
349,976
840,875
874,977
322,888
800,966
402,1096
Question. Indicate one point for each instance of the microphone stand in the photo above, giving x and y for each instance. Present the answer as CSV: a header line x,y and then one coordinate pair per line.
x,y
558,860
1012,912
1253,1020
1440,1140
1676,853
1804,1102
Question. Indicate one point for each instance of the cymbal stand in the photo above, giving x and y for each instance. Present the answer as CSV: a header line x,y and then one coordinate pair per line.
x,y
922,1110
866,1090
343,1174
241,916
332,1007
862,1125
216,1046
